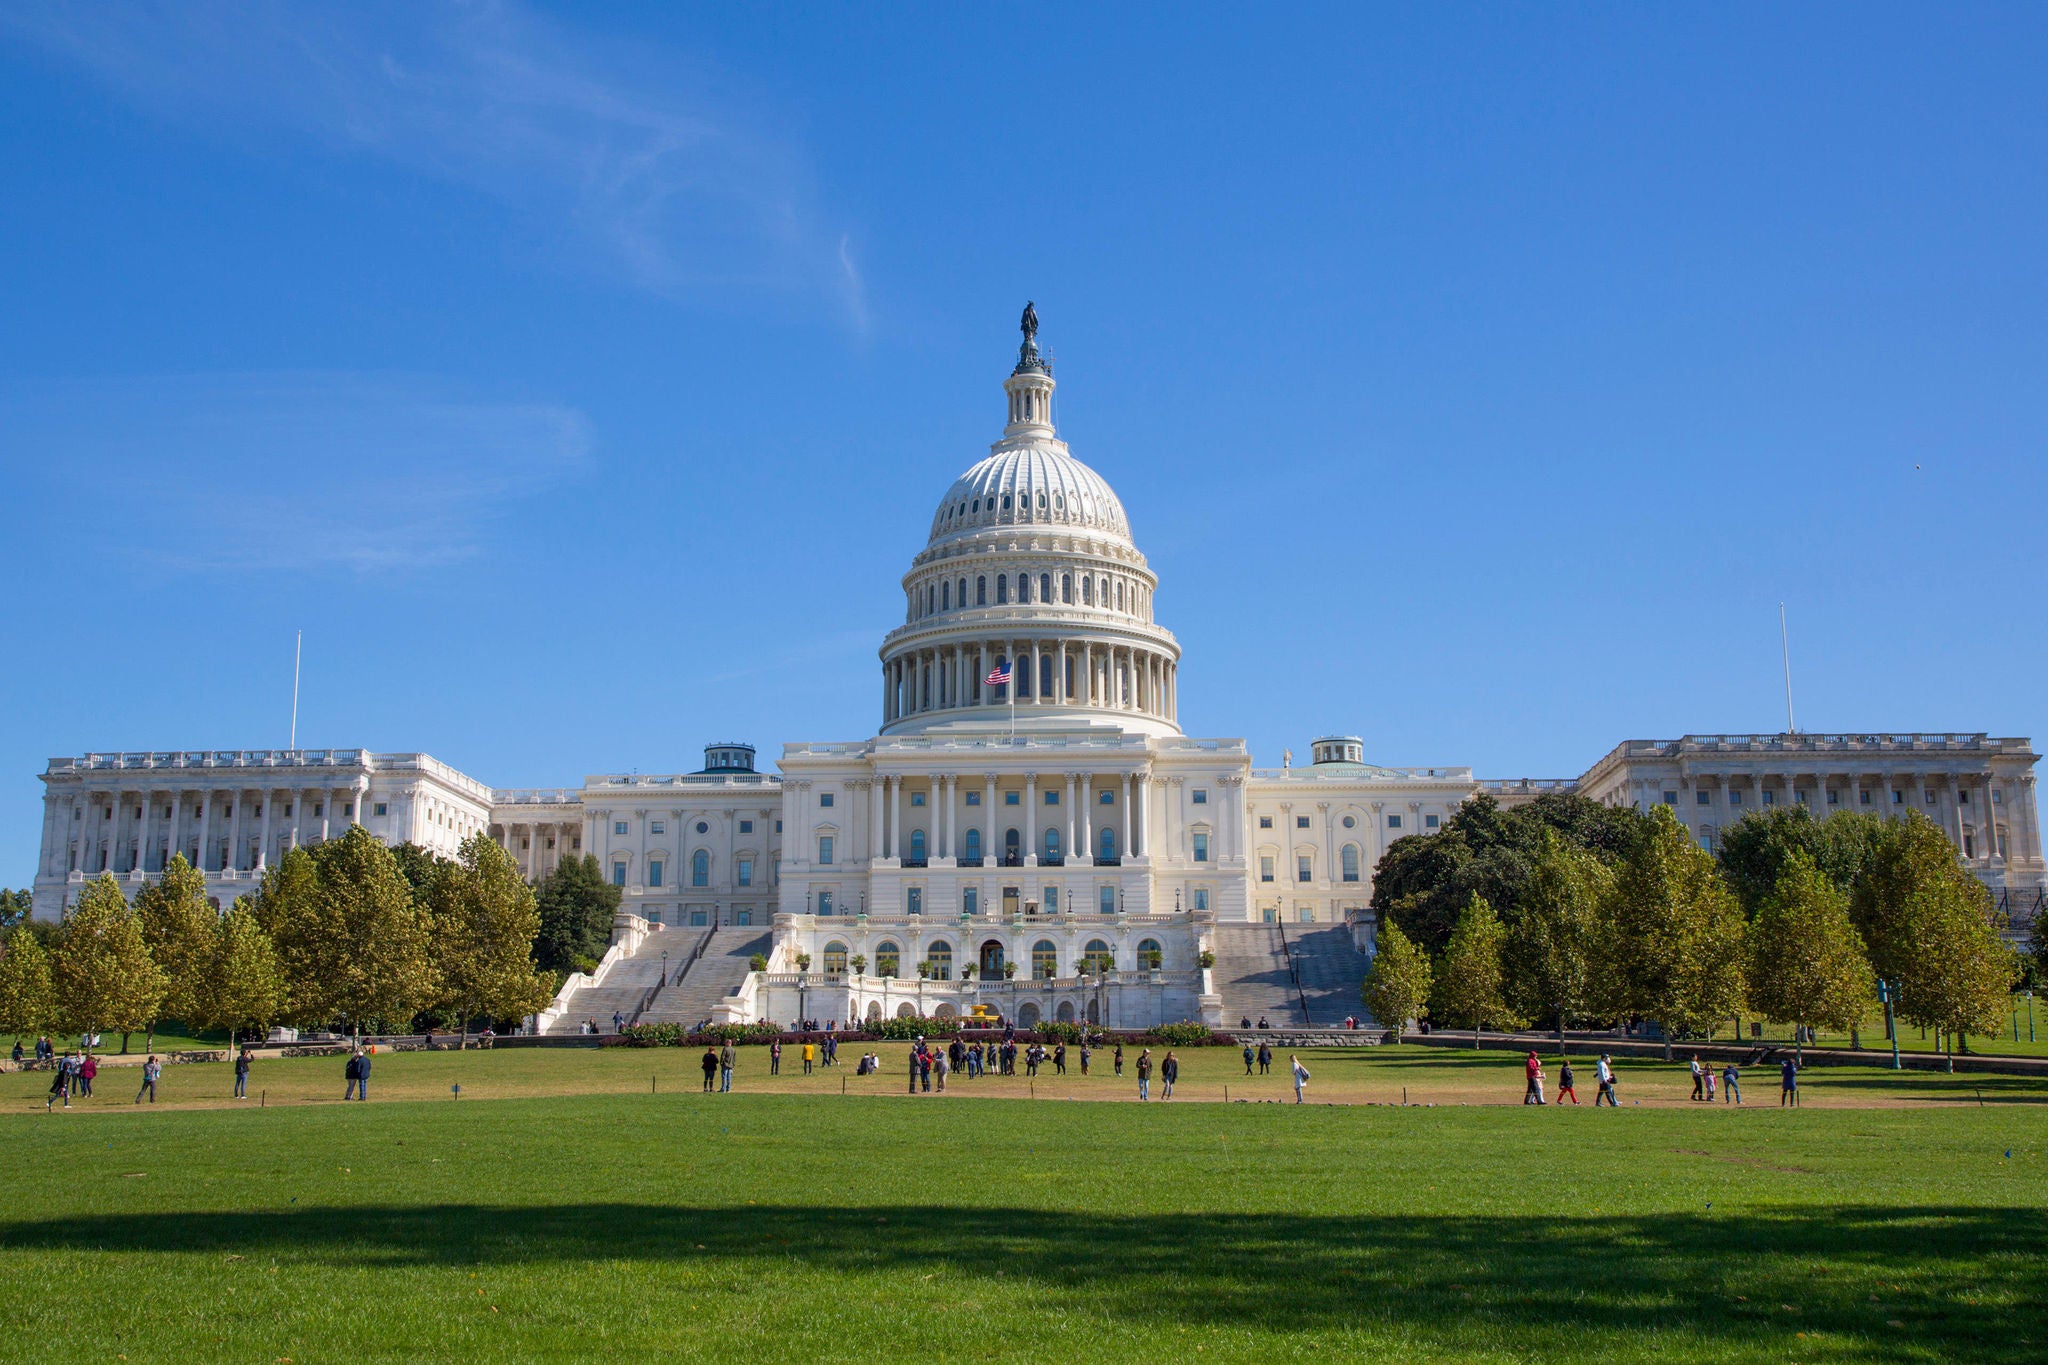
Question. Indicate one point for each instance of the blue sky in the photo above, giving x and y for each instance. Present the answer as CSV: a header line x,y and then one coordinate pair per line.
x,y
1478,379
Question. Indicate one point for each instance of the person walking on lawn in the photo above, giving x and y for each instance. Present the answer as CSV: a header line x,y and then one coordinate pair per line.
x,y
242,1074
151,1069
1145,1074
1788,1081
1249,1058
1532,1072
1119,1059
352,1072
1565,1085
1698,1079
1169,1072
60,1089
728,1058
775,1058
89,1067
1300,1075
1604,1073
1731,1084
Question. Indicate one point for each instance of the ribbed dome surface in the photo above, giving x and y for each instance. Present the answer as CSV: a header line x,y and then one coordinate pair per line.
x,y
1035,484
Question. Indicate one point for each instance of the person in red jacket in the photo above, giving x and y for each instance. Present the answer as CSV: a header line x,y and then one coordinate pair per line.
x,y
1533,1069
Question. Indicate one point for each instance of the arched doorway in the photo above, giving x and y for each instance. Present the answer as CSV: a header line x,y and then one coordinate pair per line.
x,y
874,1009
906,1010
1065,1013
992,960
1028,1014
1092,1013
944,1012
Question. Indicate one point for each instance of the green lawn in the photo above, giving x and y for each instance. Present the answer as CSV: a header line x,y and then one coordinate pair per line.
x,y
618,1224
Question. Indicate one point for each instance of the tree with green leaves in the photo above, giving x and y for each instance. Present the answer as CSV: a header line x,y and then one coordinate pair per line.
x,y
102,972
1546,956
1806,962
1754,850
15,906
244,990
179,925
353,945
27,998
420,867
1930,926
1668,938
576,907
1397,980
1469,984
485,921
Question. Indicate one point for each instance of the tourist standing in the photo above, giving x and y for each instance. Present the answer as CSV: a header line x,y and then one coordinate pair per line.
x,y
1169,1072
89,1067
775,1058
913,1068
1698,1078
1731,1084
1603,1071
728,1058
1119,1059
939,1068
363,1074
1087,1054
1300,1075
810,1055
151,1069
1249,1058
1059,1059
1145,1074
710,1065
242,1074
1566,1087
352,1072
924,1066
1532,1071
1788,1082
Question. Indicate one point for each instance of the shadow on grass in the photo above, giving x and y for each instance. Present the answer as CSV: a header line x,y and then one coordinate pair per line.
x,y
1963,1282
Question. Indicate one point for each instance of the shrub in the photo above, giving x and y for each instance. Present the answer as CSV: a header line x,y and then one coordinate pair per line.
x,y
902,1030
650,1035
757,963
1183,1035
1052,1030
1208,959
738,1033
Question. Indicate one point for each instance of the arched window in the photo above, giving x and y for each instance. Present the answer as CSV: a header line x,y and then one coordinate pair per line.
x,y
1119,594
981,591
973,850
1045,960
963,592
1059,502
1002,588
931,599
1006,502
1052,844
940,956
945,597
1041,502
1149,956
1098,957
1045,587
700,868
835,956
1351,862
888,958
917,846
1107,844
1012,844
1045,675
1087,592
1067,588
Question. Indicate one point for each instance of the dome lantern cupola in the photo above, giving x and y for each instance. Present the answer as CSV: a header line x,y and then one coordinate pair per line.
x,y
1030,385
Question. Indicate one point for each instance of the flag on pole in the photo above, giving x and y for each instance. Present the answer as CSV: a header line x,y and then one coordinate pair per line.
x,y
998,675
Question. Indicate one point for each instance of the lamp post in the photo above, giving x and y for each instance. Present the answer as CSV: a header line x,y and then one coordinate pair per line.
x,y
1176,900
1888,991
2028,996
664,966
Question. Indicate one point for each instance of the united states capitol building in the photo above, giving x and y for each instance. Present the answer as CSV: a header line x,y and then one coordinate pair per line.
x,y
1029,829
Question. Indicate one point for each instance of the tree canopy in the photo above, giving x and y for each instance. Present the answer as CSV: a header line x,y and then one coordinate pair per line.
x,y
27,997
102,973
1669,938
576,906
1754,850
179,925
1397,980
1806,960
353,944
1469,988
484,925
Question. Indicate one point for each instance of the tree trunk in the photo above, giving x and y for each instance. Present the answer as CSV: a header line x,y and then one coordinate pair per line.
x,y
124,1042
462,1022
1951,1053
1798,1044
1560,1033
149,1039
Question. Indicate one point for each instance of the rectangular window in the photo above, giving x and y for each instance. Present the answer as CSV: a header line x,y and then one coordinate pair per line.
x,y
1052,900
1670,798
745,871
1108,798
1898,798
1301,822
1798,798
1962,797
1265,822
618,826
1393,822
1930,798
1998,796
824,902
974,798
654,916
654,874
970,898
917,798
1770,797
1201,898
1734,796
778,827
1862,798
1052,798
698,919
618,874
1429,821
1301,869
1265,867
1201,797
1201,847
1834,797
380,808
348,811
1106,900
824,798
746,826
1013,798
914,900
825,850
1703,798
319,809
657,827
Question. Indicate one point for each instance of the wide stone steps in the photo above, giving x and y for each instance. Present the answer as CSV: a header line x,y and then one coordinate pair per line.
x,y
691,998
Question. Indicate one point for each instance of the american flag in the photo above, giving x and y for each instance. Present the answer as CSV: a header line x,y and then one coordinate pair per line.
x,y
998,675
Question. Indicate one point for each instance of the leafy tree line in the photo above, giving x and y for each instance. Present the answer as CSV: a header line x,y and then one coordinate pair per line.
x,y
348,932
1553,913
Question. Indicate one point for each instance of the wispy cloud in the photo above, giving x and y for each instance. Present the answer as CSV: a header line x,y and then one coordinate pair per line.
x,y
675,180
307,472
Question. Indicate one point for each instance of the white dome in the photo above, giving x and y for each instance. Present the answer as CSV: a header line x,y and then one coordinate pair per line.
x,y
1038,484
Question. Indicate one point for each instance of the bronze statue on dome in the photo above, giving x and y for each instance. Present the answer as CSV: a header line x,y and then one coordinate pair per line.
x,y
1029,322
